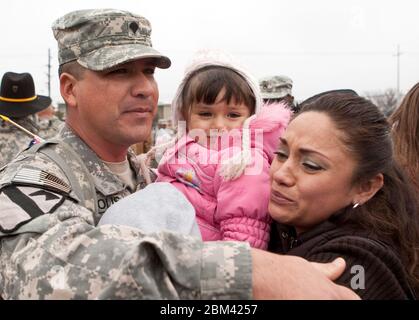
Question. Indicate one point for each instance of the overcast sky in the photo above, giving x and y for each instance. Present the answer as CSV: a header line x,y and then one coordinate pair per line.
x,y
320,44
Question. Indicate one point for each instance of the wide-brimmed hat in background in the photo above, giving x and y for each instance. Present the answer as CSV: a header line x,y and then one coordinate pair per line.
x,y
17,96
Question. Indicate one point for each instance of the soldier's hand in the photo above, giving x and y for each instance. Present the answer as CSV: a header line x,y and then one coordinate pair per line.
x,y
289,277
332,270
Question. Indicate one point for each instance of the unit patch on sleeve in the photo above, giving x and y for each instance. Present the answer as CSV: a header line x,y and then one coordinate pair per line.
x,y
22,204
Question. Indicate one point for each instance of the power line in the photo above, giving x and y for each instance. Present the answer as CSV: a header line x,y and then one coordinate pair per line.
x,y
21,55
322,53
280,53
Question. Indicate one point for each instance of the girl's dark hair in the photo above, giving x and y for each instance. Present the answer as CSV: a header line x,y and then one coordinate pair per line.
x,y
392,214
204,85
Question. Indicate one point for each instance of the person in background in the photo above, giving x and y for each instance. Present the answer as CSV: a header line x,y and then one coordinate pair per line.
x,y
277,89
49,124
163,135
405,132
337,192
19,102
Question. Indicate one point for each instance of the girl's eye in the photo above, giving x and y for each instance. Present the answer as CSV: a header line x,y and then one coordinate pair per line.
x,y
281,155
205,114
233,115
310,166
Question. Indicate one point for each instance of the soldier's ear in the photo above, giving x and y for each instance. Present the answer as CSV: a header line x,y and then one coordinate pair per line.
x,y
68,89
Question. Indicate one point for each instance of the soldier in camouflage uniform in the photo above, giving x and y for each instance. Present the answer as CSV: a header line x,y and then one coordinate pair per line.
x,y
19,102
13,140
49,124
51,195
277,89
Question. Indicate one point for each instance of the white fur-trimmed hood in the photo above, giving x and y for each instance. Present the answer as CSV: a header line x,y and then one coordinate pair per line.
x,y
204,58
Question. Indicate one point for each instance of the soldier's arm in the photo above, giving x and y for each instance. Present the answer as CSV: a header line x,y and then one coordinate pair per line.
x,y
73,259
289,277
55,252
51,249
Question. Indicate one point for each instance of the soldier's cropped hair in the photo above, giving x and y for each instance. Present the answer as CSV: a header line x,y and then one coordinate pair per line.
x,y
73,68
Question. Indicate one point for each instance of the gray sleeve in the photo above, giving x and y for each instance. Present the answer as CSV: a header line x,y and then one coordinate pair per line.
x,y
159,206
75,260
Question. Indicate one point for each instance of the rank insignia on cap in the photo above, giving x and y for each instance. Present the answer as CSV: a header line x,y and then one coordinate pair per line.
x,y
134,27
41,178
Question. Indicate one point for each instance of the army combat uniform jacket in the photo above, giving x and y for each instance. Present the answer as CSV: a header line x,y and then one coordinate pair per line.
x,y
13,140
51,248
50,128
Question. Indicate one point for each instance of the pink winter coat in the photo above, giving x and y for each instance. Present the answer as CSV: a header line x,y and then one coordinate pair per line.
x,y
235,209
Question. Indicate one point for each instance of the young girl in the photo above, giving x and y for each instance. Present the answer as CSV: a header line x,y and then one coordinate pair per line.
x,y
221,164
225,146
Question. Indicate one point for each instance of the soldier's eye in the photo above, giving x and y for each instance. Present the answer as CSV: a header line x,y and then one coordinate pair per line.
x,y
118,71
149,71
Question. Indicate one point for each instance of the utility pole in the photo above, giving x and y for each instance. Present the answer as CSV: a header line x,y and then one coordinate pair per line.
x,y
49,72
398,54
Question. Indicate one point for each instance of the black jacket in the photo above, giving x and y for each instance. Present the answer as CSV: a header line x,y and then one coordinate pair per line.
x,y
373,267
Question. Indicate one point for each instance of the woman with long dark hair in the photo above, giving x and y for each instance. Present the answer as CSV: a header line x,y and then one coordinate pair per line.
x,y
337,191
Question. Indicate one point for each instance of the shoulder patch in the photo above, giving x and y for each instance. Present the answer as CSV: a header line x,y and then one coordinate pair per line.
x,y
22,204
40,178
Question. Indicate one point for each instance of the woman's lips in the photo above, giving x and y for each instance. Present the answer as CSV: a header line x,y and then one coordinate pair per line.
x,y
279,198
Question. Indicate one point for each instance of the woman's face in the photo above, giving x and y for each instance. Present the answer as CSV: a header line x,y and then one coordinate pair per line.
x,y
311,174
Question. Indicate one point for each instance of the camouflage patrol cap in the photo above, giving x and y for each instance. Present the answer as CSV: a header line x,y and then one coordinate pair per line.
x,y
100,39
275,87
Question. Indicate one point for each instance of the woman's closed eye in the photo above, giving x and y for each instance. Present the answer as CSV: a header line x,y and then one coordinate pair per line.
x,y
308,165
281,155
311,166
